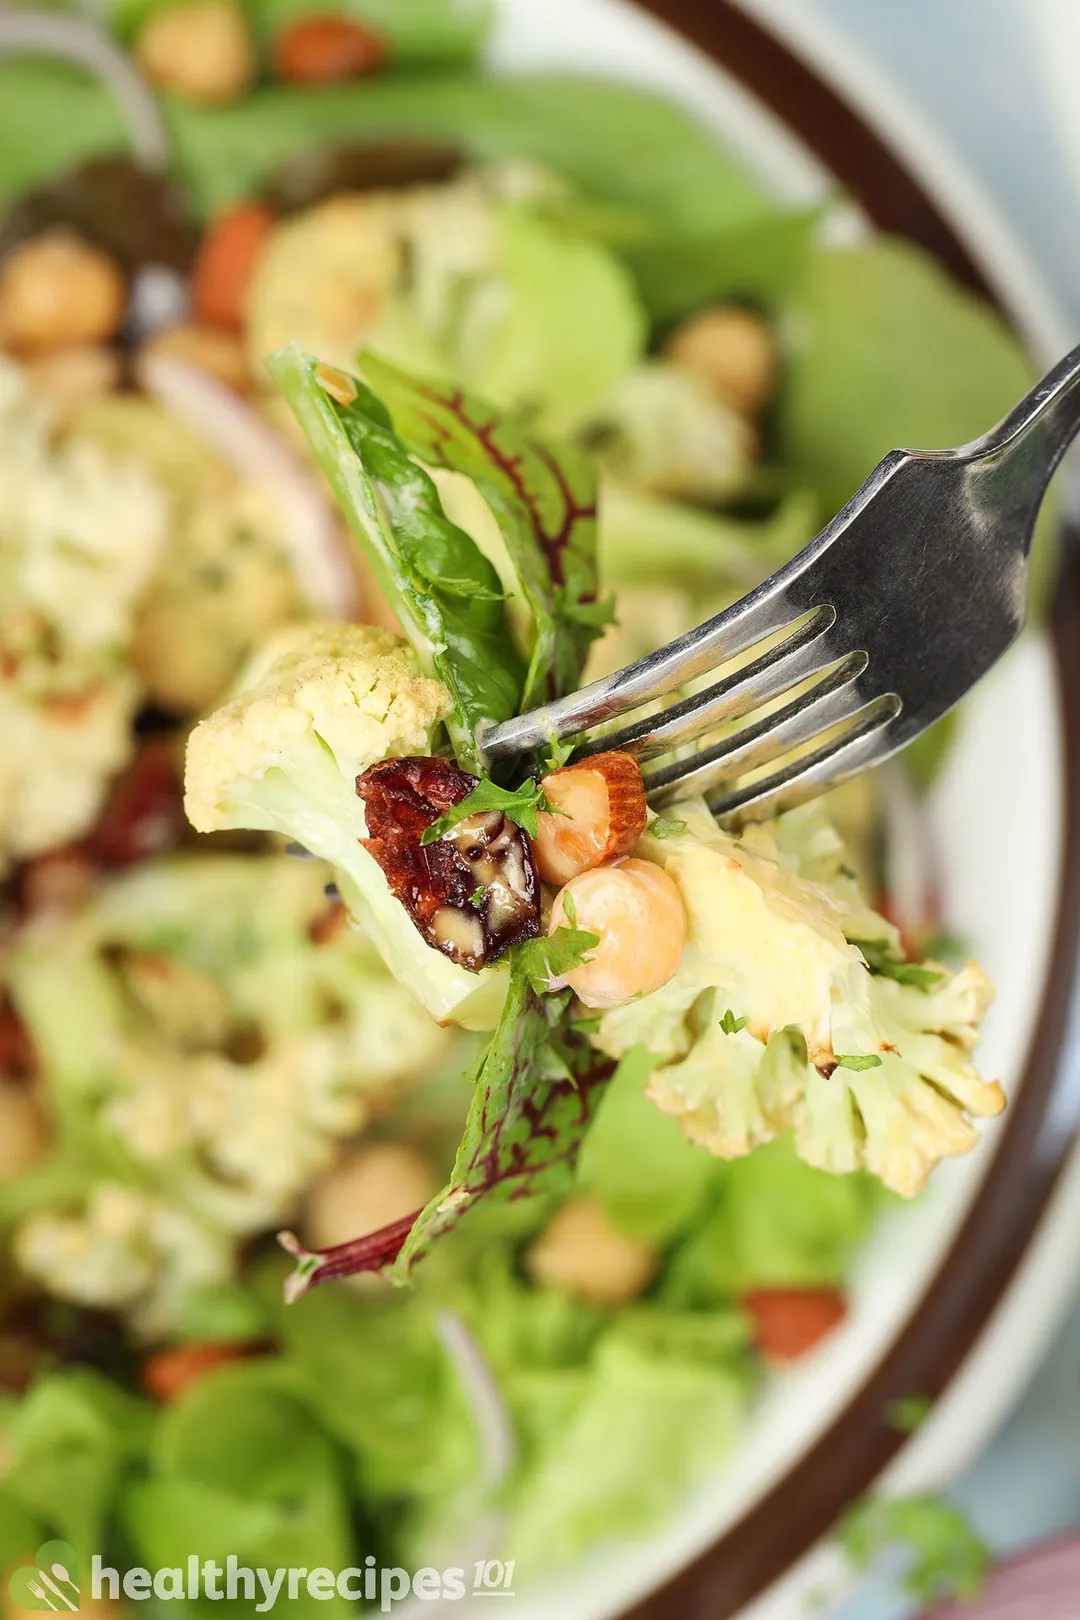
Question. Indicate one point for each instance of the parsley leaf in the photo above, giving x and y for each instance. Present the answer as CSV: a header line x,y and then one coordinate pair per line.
x,y
866,1060
569,908
949,1559
662,828
520,804
542,960
477,897
884,962
557,755
730,1024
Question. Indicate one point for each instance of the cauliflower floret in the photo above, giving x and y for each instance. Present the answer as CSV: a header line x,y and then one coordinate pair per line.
x,y
664,431
319,706
80,532
774,1020
223,583
323,276
124,1251
79,536
226,1031
58,754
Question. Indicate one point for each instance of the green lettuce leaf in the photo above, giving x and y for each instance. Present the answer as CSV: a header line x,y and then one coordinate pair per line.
x,y
239,1465
572,326
445,592
533,1094
775,1222
68,1446
646,539
637,1162
376,1374
542,496
755,262
628,1434
892,354
615,143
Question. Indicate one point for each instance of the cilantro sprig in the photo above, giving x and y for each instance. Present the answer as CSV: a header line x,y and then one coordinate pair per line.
x,y
730,1024
883,961
521,804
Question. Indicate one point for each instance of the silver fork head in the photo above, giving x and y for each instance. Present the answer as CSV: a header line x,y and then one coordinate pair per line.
x,y
862,642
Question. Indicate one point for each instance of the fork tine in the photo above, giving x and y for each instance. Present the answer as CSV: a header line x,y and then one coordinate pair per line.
x,y
766,610
836,698
869,742
799,657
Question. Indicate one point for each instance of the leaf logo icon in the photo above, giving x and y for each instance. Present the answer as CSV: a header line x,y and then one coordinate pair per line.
x,y
50,1583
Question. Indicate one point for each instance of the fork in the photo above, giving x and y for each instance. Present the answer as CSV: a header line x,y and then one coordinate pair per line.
x,y
866,638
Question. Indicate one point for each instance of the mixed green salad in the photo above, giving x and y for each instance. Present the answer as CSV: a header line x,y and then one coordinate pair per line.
x,y
408,398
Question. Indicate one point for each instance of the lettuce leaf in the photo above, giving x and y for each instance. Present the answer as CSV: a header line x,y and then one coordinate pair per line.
x,y
542,496
572,326
774,1222
68,1446
239,1465
615,143
627,1435
637,1162
755,262
648,539
443,589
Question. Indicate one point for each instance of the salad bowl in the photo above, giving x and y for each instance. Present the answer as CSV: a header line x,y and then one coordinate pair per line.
x,y
949,1300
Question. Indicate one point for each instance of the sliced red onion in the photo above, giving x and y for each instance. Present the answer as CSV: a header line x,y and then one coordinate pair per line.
x,y
78,39
250,445
1039,1585
495,1432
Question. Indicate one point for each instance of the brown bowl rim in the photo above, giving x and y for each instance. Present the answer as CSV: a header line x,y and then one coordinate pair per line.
x,y
1043,1124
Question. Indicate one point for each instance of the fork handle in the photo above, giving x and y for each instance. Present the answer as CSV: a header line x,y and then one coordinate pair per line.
x,y
1014,462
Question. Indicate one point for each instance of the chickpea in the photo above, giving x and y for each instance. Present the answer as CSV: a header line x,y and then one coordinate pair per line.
x,y
71,378
202,50
368,1188
733,350
23,1136
637,912
581,1252
58,292
219,353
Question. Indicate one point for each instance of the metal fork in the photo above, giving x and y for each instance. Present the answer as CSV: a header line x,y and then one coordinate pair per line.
x,y
894,612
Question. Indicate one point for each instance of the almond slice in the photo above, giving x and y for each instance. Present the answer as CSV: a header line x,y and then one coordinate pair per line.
x,y
602,805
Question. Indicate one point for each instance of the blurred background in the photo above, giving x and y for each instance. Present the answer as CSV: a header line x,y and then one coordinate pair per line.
x,y
998,79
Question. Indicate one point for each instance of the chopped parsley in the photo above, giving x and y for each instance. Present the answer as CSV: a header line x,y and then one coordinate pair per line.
x,y
864,1060
544,960
949,1559
477,897
730,1024
520,804
880,959
662,828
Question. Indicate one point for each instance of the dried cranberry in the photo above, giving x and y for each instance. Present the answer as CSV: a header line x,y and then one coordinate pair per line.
x,y
474,892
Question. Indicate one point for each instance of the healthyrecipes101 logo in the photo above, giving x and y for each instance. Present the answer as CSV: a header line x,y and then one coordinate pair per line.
x,y
50,1582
